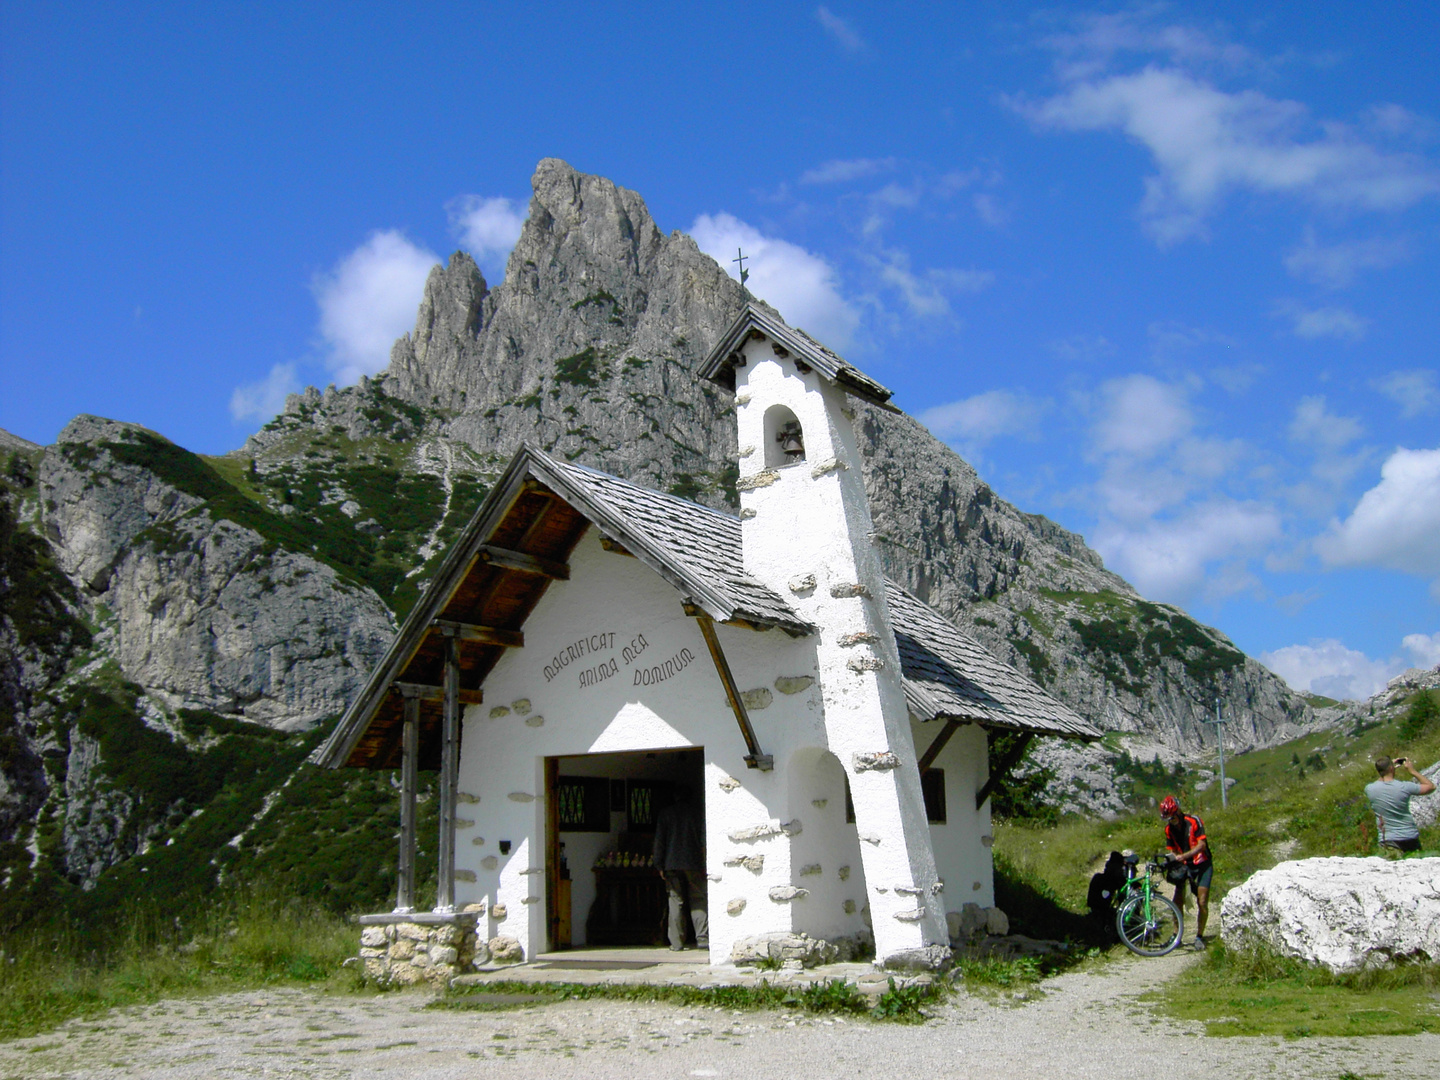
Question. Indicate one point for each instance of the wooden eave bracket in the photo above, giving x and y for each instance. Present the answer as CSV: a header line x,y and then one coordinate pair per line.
x,y
1002,769
525,564
755,759
927,759
427,692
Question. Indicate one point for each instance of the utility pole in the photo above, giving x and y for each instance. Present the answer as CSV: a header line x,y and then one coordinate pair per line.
x,y
1220,745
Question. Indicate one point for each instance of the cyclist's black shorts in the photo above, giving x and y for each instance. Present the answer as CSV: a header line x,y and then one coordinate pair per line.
x,y
1199,876
1412,844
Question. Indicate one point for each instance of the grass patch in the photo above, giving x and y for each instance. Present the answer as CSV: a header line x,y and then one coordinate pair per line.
x,y
902,1004
243,942
1259,993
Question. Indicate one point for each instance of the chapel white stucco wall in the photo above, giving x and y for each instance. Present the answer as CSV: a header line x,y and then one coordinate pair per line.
x,y
585,708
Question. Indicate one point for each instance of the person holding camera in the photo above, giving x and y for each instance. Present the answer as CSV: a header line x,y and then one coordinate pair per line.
x,y
1390,799
1185,839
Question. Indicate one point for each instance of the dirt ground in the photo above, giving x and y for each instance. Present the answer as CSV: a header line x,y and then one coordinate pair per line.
x,y
1083,1024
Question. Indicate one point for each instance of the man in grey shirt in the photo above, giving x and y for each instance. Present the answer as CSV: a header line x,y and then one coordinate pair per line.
x,y
680,857
1390,799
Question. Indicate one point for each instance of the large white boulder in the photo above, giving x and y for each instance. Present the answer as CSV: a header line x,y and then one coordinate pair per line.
x,y
1344,913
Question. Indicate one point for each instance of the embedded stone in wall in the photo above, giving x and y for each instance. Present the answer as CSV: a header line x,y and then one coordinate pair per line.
x,y
465,875
498,912
728,784
782,946
784,894
819,804
464,823
754,863
864,637
521,707
746,451
849,907
929,958
520,797
997,923
478,840
535,721
466,797
878,761
911,914
826,466
489,862
987,840
755,832
757,699
810,869
793,684
742,399
802,583
530,900
498,711
478,909
735,906
862,664
505,950
844,873
531,871
869,838
373,937
792,828
747,513
908,890
843,591
764,478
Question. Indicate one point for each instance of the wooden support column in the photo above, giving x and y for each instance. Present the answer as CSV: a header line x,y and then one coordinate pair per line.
x,y
409,775
754,759
449,766
928,758
1005,764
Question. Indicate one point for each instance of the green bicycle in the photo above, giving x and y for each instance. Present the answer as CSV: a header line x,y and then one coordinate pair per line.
x,y
1148,923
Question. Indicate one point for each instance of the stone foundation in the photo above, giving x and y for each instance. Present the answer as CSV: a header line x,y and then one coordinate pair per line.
x,y
409,948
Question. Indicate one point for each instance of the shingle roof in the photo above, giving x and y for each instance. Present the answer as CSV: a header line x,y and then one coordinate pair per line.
x,y
719,365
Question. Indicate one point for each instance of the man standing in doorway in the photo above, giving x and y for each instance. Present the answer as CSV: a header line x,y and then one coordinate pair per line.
x,y
1185,838
1390,799
680,857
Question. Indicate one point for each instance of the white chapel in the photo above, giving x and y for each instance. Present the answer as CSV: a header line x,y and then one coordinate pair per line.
x,y
589,648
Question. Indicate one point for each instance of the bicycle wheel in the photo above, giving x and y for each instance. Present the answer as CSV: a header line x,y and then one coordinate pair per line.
x,y
1152,934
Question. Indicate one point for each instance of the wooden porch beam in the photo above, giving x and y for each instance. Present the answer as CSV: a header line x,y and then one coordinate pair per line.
x,y
526,564
1008,762
928,758
426,692
409,767
754,759
449,767
482,635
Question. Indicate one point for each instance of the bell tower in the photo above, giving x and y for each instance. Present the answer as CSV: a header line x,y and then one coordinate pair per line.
x,y
807,534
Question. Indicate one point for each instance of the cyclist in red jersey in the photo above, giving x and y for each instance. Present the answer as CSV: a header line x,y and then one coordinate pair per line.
x,y
1185,837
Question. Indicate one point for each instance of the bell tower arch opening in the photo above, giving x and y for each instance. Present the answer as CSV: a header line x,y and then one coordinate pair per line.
x,y
784,438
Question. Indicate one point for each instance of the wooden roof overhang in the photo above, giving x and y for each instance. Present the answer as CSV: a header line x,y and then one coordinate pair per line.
x,y
517,544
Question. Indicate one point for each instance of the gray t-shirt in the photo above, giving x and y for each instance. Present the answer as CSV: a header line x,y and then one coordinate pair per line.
x,y
1390,799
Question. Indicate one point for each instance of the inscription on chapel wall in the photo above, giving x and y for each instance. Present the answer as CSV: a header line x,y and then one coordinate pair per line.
x,y
593,661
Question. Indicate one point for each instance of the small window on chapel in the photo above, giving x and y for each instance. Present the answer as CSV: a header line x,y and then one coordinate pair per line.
x,y
932,789
784,439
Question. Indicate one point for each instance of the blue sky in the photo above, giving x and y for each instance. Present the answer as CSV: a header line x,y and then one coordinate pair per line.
x,y
1166,274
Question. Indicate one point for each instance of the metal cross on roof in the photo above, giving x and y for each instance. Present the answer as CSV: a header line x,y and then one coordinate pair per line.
x,y
744,274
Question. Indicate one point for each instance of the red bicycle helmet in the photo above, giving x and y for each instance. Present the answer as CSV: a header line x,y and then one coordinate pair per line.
x,y
1169,806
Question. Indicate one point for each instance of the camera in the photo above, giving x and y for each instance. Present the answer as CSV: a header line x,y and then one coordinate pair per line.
x,y
1402,761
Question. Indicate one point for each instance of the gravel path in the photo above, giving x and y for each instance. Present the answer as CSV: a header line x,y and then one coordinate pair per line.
x,y
1084,1024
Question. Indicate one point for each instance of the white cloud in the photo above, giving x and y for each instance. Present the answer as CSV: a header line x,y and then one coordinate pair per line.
x,y
261,400
839,29
989,210
801,285
839,172
1138,416
1097,39
1328,668
1424,649
975,421
1208,142
1082,348
488,228
1316,426
927,294
368,300
1396,523
1168,559
1337,265
1333,322
1415,391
